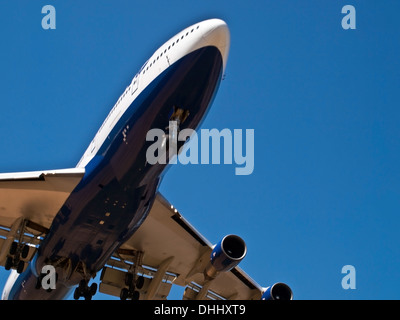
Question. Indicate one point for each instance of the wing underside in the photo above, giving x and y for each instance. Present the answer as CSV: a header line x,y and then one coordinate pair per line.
x,y
168,250
29,202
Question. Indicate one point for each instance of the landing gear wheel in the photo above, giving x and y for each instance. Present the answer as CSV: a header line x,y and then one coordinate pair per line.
x,y
135,295
132,284
77,294
82,285
20,266
129,279
88,296
25,251
9,263
93,289
127,294
83,290
124,294
13,248
140,282
17,252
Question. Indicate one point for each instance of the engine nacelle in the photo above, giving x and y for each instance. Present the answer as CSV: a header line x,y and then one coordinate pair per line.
x,y
226,255
278,291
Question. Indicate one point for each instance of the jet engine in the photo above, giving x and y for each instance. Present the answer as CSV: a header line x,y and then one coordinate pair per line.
x,y
278,291
226,255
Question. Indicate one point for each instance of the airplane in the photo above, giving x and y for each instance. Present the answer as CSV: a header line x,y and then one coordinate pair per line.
x,y
106,214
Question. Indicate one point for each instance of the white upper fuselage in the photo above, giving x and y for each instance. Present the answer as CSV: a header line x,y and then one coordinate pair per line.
x,y
213,32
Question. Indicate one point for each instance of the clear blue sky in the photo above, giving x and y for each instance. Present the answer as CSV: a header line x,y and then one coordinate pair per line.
x,y
323,101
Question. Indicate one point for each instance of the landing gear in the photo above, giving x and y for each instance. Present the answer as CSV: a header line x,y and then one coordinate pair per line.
x,y
177,118
84,290
179,115
17,264
17,252
131,292
127,294
18,249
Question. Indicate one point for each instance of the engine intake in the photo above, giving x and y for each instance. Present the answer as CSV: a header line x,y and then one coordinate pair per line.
x,y
226,255
278,291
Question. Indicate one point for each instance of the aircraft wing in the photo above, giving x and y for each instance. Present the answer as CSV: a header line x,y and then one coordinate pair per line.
x,y
165,250
29,202
168,250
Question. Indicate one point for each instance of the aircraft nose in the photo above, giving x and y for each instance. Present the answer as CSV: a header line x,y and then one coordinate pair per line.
x,y
216,27
217,34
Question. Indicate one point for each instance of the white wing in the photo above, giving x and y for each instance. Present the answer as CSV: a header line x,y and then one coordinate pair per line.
x,y
29,202
168,250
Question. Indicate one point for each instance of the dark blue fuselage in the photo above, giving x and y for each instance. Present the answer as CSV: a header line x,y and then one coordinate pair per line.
x,y
118,189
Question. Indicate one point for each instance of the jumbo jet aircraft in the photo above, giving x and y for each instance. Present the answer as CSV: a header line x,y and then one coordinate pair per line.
x,y
106,213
